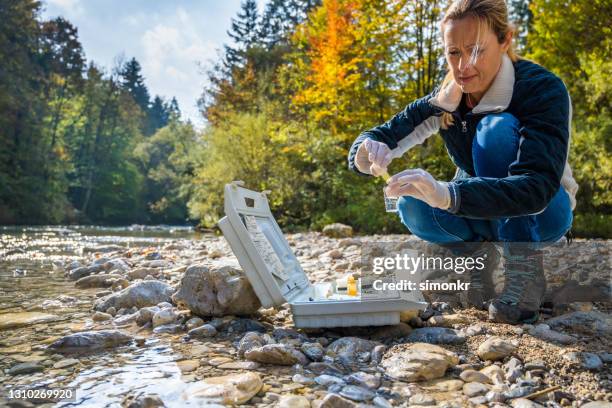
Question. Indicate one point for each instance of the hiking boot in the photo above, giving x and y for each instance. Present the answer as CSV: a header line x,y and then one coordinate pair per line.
x,y
524,285
481,288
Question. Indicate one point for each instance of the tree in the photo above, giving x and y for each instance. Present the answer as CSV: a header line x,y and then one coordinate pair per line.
x,y
133,81
244,33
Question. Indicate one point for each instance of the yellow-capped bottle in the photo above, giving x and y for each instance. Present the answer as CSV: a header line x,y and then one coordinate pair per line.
x,y
351,286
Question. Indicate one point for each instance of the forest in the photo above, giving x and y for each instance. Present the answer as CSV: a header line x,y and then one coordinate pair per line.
x,y
297,82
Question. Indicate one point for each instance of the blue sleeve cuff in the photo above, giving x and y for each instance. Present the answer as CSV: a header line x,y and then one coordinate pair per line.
x,y
455,198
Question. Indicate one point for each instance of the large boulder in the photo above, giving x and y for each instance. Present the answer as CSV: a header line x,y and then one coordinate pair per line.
x,y
216,291
140,294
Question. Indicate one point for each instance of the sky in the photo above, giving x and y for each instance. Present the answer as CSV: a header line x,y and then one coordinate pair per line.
x,y
174,41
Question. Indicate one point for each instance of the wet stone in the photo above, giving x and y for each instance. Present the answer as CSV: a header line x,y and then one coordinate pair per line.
x,y
90,340
25,368
357,393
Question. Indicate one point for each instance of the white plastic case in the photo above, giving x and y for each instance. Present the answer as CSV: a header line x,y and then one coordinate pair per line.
x,y
277,277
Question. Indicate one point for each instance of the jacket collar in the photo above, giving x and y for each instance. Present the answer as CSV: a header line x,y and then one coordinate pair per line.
x,y
496,99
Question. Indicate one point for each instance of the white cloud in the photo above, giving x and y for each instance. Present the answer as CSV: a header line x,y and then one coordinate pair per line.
x,y
70,7
172,49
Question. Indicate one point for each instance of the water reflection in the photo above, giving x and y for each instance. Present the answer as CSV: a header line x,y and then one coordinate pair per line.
x,y
38,304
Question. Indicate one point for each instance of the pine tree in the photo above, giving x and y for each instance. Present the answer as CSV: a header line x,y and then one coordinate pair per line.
x,y
244,33
133,82
280,17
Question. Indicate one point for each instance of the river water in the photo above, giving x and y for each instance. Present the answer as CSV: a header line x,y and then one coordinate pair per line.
x,y
38,304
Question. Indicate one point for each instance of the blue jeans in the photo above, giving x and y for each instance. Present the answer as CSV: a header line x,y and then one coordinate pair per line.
x,y
494,148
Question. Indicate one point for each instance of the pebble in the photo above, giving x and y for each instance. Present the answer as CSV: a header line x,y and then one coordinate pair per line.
x,y
67,362
90,340
357,393
326,380
473,389
101,317
336,401
474,376
362,379
206,330
496,348
313,351
422,399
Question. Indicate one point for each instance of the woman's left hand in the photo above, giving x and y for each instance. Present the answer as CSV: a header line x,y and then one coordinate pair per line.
x,y
419,184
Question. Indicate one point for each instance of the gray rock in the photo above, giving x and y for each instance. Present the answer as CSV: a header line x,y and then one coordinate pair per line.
x,y
168,328
357,393
589,361
422,400
518,392
365,380
25,368
90,340
327,380
249,341
380,402
543,332
350,350
101,317
418,362
474,376
377,353
241,325
597,404
591,323
336,401
496,348
206,330
480,400
145,315
141,294
524,403
279,354
83,271
96,281
473,389
164,316
436,335
193,323
313,351
216,291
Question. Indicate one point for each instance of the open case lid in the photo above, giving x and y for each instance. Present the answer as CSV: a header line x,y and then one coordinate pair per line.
x,y
262,251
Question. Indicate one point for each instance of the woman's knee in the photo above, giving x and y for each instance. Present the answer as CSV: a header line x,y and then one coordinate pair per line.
x,y
495,144
418,217
415,215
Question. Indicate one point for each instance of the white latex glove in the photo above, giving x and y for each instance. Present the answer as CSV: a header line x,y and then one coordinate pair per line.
x,y
372,157
419,184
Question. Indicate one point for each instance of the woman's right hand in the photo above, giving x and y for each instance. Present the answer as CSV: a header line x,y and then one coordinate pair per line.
x,y
373,157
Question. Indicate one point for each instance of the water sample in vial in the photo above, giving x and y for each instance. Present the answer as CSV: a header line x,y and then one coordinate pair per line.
x,y
390,203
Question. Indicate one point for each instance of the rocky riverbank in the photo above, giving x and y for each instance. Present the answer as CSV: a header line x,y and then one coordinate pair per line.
x,y
185,305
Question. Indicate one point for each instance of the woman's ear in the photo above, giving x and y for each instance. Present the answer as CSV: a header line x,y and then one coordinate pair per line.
x,y
507,41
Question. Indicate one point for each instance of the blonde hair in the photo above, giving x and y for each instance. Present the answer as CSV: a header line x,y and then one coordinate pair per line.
x,y
491,14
